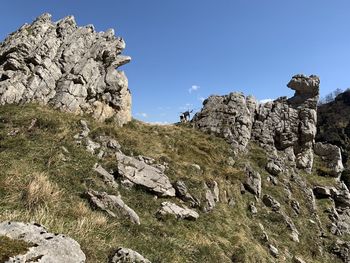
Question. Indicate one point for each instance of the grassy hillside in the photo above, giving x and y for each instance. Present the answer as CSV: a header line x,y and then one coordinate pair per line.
x,y
41,182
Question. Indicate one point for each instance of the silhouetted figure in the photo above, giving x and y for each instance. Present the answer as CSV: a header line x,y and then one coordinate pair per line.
x,y
185,116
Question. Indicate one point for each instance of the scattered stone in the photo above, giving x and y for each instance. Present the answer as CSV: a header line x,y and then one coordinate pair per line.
x,y
269,201
273,251
253,181
332,157
140,173
252,208
112,205
211,196
295,206
298,260
72,68
177,211
273,168
32,124
106,176
48,247
183,193
322,192
126,255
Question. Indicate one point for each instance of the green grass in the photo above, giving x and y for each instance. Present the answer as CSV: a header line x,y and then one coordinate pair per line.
x,y
34,160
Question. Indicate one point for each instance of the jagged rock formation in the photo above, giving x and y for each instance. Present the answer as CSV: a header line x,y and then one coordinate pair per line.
x,y
331,155
46,247
72,68
286,125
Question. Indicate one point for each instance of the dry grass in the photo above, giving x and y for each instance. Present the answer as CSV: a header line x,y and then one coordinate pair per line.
x,y
40,192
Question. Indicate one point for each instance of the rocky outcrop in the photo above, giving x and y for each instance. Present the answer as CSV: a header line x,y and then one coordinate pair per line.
x,y
331,155
46,247
284,125
151,177
179,212
70,67
126,255
211,196
113,205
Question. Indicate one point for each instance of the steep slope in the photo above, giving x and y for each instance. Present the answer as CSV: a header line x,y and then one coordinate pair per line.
x,y
45,174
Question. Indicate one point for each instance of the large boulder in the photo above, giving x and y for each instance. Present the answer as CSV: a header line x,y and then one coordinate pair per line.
x,y
70,67
252,182
46,247
148,176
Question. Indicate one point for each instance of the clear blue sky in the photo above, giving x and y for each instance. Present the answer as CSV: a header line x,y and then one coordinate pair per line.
x,y
220,46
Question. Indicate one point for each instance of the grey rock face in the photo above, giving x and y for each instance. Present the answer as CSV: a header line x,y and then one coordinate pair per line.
x,y
342,250
169,208
273,251
140,173
287,125
112,205
126,255
72,68
331,154
49,248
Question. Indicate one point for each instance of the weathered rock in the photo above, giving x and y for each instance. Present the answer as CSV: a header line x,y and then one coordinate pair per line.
x,y
113,205
269,201
342,250
72,68
211,196
253,181
47,247
106,176
273,251
322,192
297,259
169,208
142,174
287,125
252,208
183,193
331,155
126,255
273,168
295,206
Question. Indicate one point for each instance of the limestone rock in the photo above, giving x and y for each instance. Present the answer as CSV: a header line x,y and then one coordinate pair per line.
x,y
269,201
211,195
126,255
70,67
183,193
252,208
253,181
286,125
47,247
297,259
145,175
322,192
273,251
106,176
342,250
273,168
112,205
177,211
331,154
